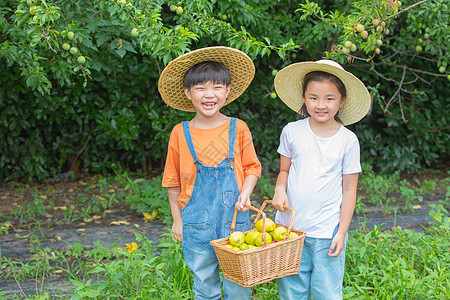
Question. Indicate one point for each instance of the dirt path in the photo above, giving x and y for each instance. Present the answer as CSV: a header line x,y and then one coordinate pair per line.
x,y
17,246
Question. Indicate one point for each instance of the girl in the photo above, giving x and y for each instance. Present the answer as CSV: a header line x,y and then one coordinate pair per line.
x,y
319,166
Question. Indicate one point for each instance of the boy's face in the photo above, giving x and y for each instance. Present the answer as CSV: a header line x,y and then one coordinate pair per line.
x,y
208,97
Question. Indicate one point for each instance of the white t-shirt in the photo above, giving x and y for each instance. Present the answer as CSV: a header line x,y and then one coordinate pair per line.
x,y
314,186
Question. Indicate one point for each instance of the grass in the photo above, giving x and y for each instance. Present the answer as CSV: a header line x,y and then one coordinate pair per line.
x,y
397,264
380,264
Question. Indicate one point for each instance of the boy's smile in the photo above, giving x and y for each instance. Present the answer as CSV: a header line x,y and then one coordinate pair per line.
x,y
208,97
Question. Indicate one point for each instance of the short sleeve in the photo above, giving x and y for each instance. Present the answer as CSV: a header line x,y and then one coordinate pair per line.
x,y
351,162
285,148
171,176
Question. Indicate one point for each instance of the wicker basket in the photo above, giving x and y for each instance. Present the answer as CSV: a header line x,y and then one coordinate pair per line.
x,y
258,265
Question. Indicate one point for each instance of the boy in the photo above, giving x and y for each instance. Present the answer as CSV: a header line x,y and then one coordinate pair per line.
x,y
211,166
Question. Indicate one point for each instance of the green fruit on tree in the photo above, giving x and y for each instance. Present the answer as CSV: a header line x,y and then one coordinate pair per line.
x,y
375,22
348,44
237,238
442,69
134,32
73,50
70,35
448,77
270,225
353,48
377,51
273,95
224,17
426,35
179,10
359,27
379,29
251,237
173,7
66,46
364,34
274,72
386,31
279,233
32,10
346,50
121,1
259,241
81,59
419,48
379,42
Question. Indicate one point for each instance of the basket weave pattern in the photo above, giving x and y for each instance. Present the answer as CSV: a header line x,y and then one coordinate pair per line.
x,y
255,266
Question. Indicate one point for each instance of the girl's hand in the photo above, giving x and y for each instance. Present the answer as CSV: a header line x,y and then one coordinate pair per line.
x,y
243,199
177,231
279,200
337,245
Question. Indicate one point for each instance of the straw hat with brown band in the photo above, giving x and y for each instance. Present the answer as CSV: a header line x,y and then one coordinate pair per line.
x,y
240,66
288,84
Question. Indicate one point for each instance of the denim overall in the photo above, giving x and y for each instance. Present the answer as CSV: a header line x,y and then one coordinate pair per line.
x,y
208,216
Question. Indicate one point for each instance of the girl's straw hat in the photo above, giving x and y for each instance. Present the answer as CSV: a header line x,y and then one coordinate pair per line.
x,y
288,84
239,65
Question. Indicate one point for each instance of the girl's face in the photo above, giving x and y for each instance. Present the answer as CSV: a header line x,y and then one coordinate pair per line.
x,y
323,100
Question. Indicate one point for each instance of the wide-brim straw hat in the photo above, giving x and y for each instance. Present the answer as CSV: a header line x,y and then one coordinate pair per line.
x,y
289,81
240,66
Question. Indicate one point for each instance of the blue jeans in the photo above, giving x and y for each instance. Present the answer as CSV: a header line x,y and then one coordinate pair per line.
x,y
208,216
319,273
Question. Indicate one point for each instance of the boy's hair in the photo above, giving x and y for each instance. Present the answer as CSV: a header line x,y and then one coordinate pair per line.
x,y
321,76
207,71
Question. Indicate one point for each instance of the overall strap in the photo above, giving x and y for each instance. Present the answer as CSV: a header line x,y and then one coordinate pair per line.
x,y
190,143
232,138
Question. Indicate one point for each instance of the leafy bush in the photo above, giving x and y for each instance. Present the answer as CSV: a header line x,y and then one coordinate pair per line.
x,y
61,112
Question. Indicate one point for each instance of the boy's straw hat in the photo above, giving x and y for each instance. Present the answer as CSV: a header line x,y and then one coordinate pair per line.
x,y
239,65
288,84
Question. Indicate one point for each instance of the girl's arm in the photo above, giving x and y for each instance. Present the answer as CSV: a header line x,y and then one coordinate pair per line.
x,y
349,184
247,189
280,198
177,226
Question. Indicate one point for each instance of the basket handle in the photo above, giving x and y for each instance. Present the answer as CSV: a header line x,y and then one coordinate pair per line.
x,y
260,212
285,206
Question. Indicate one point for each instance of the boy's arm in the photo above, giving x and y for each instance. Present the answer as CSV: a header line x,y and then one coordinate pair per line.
x,y
177,226
247,189
280,198
349,185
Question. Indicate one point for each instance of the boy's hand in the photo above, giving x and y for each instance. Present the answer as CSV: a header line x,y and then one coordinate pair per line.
x,y
337,245
177,231
279,200
243,199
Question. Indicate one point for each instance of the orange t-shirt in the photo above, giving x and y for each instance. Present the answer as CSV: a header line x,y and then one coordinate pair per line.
x,y
211,146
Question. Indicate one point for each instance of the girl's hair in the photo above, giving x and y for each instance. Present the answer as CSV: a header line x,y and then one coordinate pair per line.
x,y
207,71
321,76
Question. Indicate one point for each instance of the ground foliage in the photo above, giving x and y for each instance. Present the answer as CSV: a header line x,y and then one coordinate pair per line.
x,y
96,107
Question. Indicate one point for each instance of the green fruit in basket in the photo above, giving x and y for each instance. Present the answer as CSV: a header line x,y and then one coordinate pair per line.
x,y
259,242
252,247
235,249
229,246
237,238
243,247
292,235
270,225
251,237
279,233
